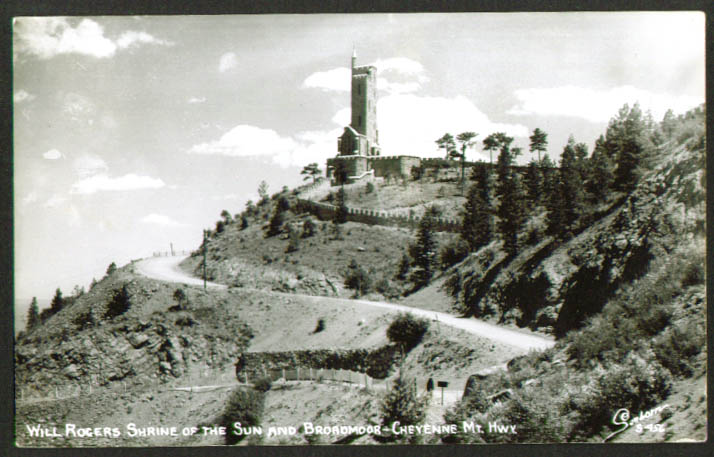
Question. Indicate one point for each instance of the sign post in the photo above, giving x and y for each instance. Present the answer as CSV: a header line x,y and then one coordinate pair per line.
x,y
442,384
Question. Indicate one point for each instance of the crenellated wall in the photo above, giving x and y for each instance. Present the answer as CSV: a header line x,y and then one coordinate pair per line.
x,y
326,211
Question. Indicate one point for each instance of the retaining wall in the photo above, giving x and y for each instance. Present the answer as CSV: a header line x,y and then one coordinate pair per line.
x,y
376,363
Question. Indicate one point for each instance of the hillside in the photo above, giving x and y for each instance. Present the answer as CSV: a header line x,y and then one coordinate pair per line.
x,y
621,290
627,298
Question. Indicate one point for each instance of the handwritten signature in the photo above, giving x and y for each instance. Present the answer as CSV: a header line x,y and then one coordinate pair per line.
x,y
623,418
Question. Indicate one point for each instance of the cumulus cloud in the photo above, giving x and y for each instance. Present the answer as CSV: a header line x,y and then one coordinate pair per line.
x,y
227,61
132,38
246,141
46,37
161,220
196,99
409,124
409,73
596,105
22,96
88,165
52,154
102,182
337,79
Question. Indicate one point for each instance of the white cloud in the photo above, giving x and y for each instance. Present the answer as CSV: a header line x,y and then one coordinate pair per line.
x,y
409,124
246,141
102,182
162,220
408,71
337,79
22,95
132,37
227,61
46,37
196,99
401,65
55,201
52,154
88,165
596,105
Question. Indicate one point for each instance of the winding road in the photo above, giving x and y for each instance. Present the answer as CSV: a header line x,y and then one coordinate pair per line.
x,y
166,269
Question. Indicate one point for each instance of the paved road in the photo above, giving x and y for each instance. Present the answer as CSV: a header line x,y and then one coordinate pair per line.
x,y
166,269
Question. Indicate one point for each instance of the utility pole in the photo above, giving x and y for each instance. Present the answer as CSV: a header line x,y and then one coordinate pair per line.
x,y
205,241
172,249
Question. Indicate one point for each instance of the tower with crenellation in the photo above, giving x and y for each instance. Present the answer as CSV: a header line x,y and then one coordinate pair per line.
x,y
358,151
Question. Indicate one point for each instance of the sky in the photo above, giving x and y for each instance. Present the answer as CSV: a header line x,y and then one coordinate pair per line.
x,y
131,133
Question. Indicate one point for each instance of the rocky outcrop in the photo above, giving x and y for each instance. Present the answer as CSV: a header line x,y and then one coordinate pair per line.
x,y
553,286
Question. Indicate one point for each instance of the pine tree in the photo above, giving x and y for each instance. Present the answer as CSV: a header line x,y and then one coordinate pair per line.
x,y
511,209
539,142
534,181
628,145
565,202
600,175
57,302
477,222
33,315
341,214
402,404
424,251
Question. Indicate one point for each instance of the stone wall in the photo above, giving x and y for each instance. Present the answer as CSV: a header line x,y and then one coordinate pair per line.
x,y
377,362
326,212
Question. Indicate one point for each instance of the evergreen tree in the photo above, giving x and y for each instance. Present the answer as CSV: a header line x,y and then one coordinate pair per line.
x,y
448,144
466,140
565,204
276,223
628,144
572,191
539,141
311,171
33,315
119,303
600,175
477,222
227,219
511,209
424,252
581,160
534,181
341,214
111,268
57,302
402,404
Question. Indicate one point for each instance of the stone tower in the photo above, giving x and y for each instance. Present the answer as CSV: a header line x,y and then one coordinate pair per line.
x,y
361,137
364,101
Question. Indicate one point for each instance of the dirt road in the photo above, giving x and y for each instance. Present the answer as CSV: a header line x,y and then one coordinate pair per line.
x,y
166,269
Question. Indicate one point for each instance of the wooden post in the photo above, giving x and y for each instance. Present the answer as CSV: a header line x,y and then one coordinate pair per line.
x,y
298,373
284,380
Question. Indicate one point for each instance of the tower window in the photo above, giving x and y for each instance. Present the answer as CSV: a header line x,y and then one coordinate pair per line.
x,y
359,89
359,120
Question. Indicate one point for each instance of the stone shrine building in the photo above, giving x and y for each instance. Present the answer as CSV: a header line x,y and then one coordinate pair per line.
x,y
359,155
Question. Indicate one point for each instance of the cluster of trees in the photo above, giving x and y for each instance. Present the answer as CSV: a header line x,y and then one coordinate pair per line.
x,y
568,192
502,196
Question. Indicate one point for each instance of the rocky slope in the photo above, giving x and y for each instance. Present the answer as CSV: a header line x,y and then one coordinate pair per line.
x,y
553,286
